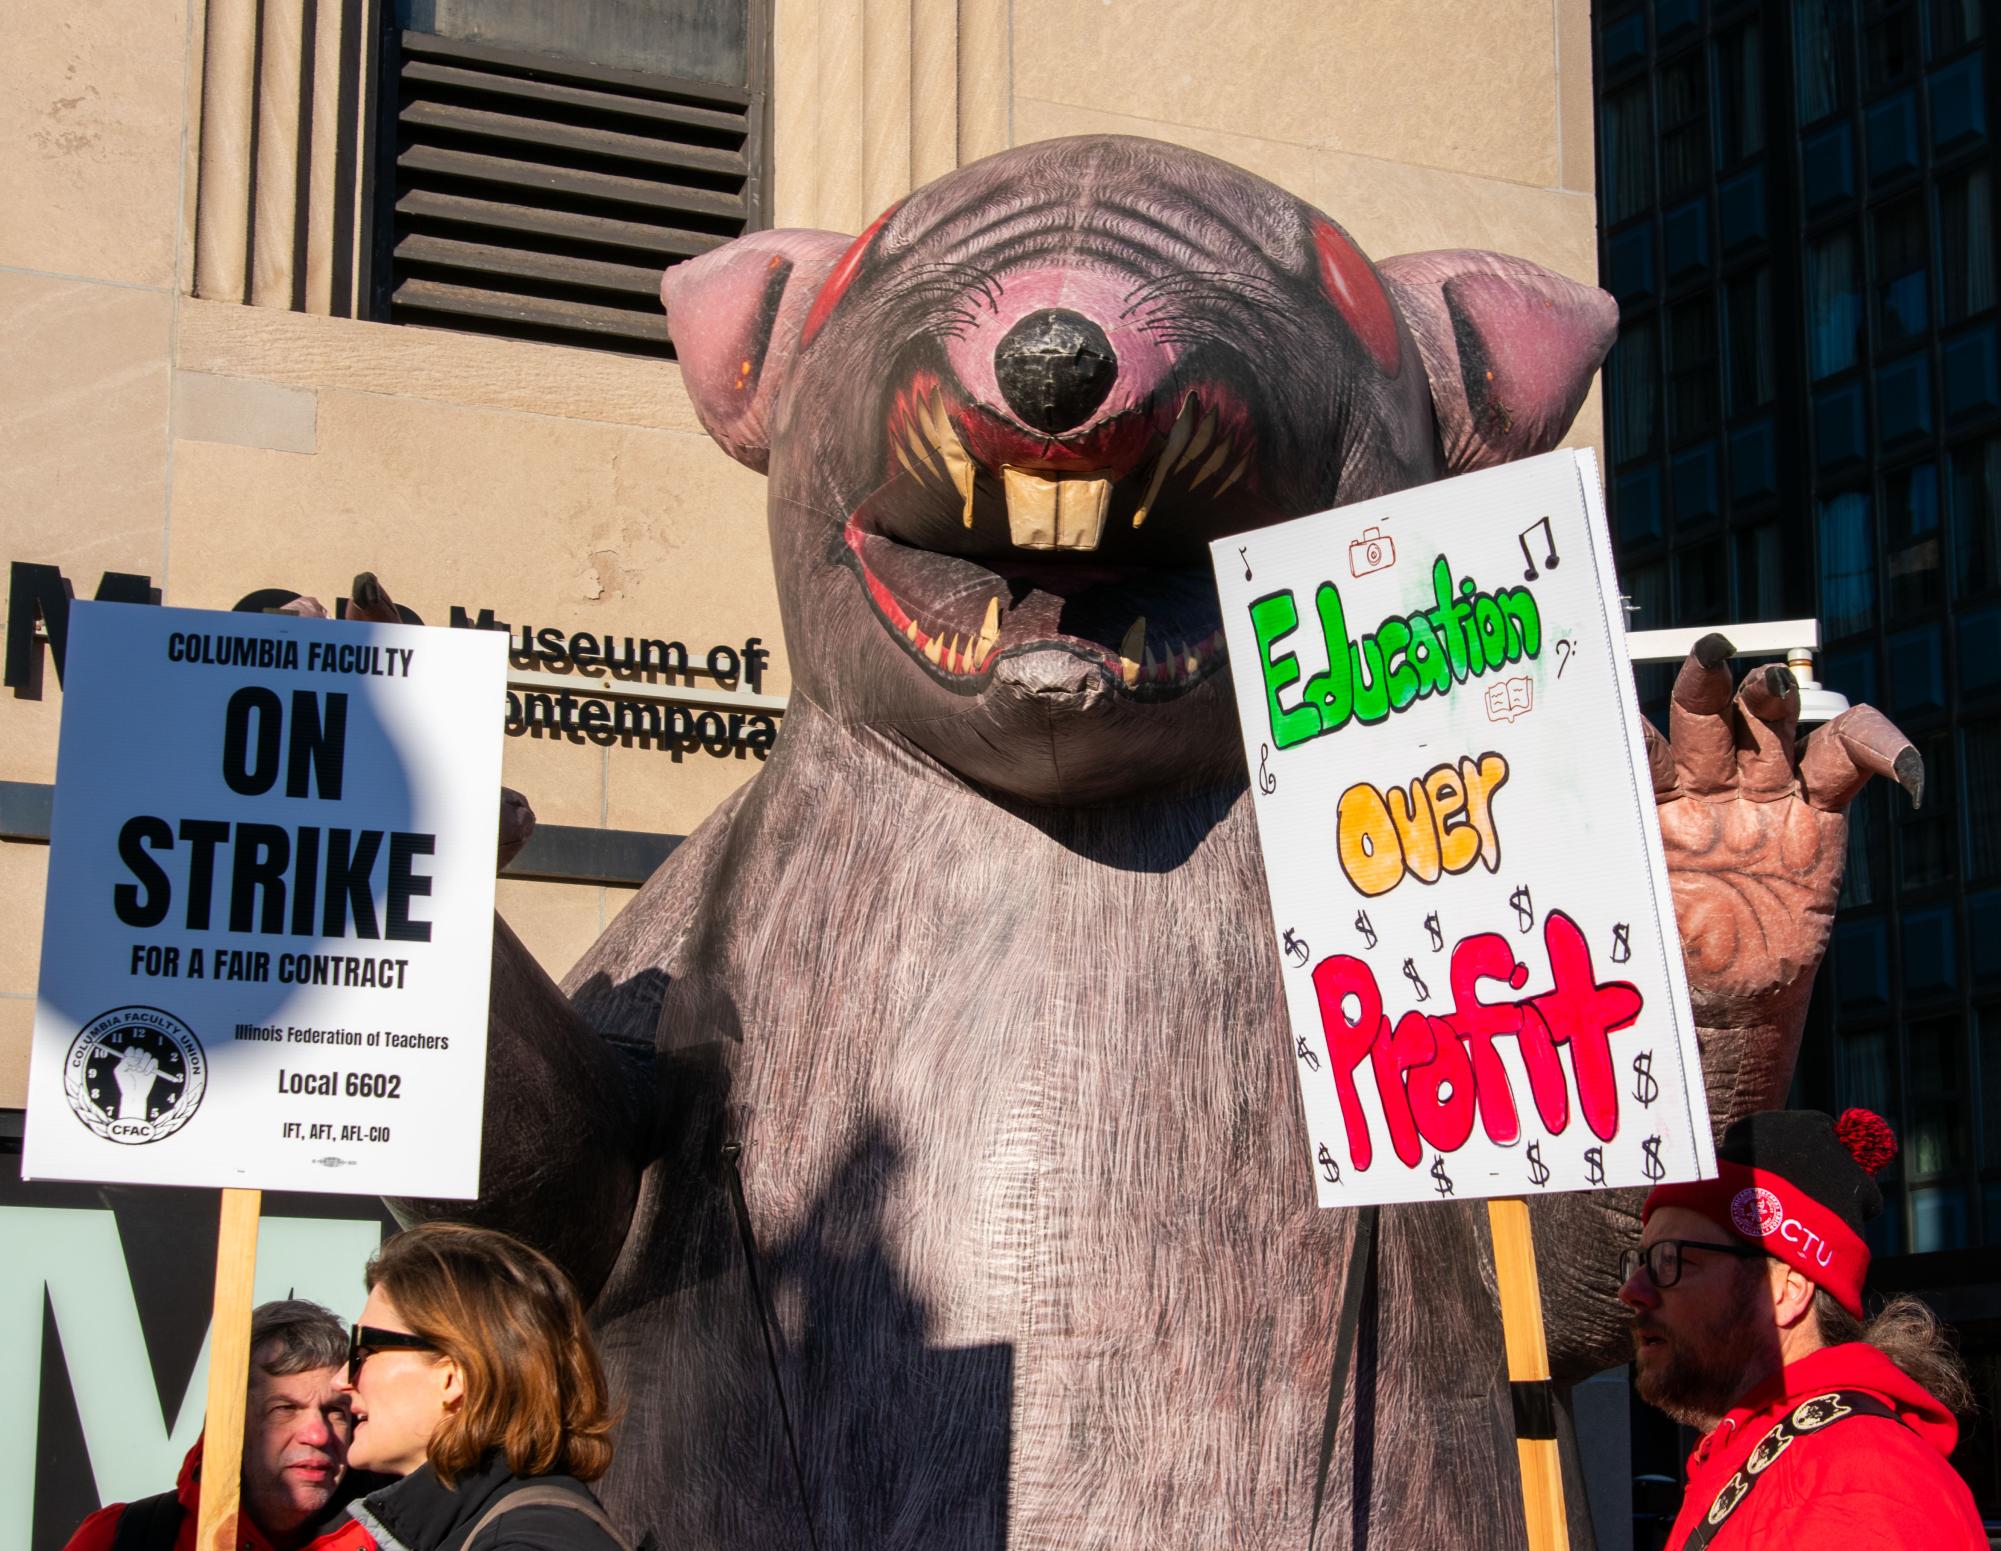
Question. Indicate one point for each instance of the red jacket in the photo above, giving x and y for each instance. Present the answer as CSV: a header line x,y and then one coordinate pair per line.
x,y
1865,1481
338,1533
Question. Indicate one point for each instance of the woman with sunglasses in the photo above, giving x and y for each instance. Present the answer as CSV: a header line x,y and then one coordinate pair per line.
x,y
474,1379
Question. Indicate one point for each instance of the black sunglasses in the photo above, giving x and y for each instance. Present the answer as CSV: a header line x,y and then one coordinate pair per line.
x,y
1663,1259
362,1340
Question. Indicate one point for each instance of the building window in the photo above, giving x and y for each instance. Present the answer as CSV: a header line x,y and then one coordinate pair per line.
x,y
1927,838
1974,507
1980,745
1626,123
1833,305
1823,65
1954,24
1700,584
1901,251
538,167
1691,369
1847,564
1747,326
1889,45
1868,848
1913,551
1760,579
1965,245
1634,392
1684,100
1740,96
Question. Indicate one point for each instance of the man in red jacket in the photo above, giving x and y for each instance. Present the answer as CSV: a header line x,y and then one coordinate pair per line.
x,y
1746,1300
296,1485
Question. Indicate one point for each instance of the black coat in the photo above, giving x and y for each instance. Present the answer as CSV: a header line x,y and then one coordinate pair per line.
x,y
421,1513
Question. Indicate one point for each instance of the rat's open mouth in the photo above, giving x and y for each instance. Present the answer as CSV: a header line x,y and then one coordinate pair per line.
x,y
987,542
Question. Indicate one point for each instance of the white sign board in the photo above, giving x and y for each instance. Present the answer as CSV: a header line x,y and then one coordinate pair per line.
x,y
270,904
1468,891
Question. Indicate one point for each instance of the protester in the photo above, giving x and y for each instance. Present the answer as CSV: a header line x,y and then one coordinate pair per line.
x,y
1746,1299
296,1484
473,1378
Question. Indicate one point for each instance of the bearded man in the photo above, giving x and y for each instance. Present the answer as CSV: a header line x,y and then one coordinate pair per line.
x,y
1746,1299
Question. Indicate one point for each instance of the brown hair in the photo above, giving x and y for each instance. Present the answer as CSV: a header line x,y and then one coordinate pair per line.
x,y
290,1336
513,1323
1909,1334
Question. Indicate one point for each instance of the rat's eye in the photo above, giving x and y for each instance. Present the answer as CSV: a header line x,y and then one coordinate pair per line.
x,y
843,275
1351,285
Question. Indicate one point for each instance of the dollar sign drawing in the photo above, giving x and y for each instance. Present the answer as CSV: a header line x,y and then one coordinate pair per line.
x,y
1538,1170
1417,984
1267,782
1362,925
1524,907
1444,1185
1312,1063
1622,947
1646,1088
1594,1161
1655,1169
1437,936
1329,1166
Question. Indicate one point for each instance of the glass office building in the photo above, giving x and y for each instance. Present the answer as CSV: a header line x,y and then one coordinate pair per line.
x,y
1803,416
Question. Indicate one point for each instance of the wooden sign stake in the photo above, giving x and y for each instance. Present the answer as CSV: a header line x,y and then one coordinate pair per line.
x,y
228,1371
1528,1374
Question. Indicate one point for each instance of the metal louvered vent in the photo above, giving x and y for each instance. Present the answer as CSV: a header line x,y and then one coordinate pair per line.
x,y
540,199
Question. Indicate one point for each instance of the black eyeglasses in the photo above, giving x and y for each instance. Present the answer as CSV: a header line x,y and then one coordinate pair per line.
x,y
363,1340
1663,1259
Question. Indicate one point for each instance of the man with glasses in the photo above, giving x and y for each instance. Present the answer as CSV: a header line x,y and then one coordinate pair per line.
x,y
1746,1309
296,1429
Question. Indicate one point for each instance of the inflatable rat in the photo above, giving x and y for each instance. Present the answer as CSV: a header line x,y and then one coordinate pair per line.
x,y
940,1082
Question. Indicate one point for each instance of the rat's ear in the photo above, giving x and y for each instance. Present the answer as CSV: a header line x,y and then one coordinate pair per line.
x,y
1510,348
735,314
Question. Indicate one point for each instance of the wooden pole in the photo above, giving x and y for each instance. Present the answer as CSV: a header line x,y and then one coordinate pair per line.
x,y
1528,1374
228,1371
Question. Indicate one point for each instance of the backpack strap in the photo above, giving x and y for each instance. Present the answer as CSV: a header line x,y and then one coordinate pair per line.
x,y
150,1524
546,1496
1809,1416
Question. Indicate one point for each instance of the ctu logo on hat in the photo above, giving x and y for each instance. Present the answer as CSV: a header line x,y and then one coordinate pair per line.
x,y
1756,1212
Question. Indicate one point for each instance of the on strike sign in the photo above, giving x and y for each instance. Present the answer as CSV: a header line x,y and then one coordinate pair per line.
x,y
1468,891
270,904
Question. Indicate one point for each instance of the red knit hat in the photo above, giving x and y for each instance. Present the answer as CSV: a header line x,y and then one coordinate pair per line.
x,y
1799,1186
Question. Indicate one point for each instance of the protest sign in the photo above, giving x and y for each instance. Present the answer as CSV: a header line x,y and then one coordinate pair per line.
x,y
1469,896
269,926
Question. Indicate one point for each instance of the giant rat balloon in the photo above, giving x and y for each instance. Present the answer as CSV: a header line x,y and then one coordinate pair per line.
x,y
970,997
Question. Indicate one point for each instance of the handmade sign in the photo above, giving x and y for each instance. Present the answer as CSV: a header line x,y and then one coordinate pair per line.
x,y
270,905
1478,946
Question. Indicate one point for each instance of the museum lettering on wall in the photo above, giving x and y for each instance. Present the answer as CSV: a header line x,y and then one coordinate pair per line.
x,y
579,686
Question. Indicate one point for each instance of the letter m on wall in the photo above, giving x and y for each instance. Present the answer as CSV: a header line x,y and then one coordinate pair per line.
x,y
40,595
71,1263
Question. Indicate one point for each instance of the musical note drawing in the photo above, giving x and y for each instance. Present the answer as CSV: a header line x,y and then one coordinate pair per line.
x,y
1365,927
1651,1164
1563,651
1622,946
1326,1162
1306,1054
1646,1087
1246,560
1444,1185
1417,983
1523,904
1538,1170
1267,782
1549,542
1295,948
1437,936
1594,1163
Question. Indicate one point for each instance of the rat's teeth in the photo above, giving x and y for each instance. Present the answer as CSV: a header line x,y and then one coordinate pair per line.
x,y
1055,511
910,630
1198,441
1215,462
989,631
951,452
1133,653
1177,442
1235,474
934,649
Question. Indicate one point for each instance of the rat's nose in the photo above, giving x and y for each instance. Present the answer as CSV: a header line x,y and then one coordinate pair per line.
x,y
1054,368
